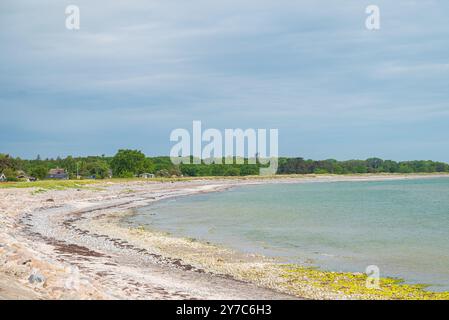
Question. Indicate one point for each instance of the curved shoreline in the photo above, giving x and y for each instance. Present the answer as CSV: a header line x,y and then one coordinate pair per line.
x,y
75,238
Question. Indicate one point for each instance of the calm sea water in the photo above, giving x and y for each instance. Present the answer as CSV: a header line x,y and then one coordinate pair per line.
x,y
400,226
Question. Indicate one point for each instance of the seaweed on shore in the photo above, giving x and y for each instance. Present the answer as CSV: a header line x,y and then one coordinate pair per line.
x,y
354,284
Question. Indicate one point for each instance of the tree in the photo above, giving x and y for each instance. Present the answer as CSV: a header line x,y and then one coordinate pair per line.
x,y
127,163
175,171
249,170
405,168
147,166
232,171
39,172
6,162
218,170
11,174
99,169
163,173
374,164
70,165
186,169
441,167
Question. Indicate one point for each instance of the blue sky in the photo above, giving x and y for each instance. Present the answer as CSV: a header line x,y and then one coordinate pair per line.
x,y
136,70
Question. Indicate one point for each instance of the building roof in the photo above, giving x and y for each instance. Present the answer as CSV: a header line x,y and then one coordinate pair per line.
x,y
56,171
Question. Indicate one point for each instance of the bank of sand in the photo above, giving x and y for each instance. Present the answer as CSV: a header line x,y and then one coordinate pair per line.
x,y
70,244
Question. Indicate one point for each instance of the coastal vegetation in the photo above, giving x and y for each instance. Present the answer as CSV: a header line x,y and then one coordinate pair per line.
x,y
132,163
44,185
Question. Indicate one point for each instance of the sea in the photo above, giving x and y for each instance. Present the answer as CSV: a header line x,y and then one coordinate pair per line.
x,y
399,226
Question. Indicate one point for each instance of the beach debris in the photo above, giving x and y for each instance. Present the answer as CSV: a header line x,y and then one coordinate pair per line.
x,y
73,280
36,277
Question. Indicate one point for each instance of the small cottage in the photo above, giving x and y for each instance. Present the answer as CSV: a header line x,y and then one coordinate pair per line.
x,y
2,177
58,173
22,176
146,175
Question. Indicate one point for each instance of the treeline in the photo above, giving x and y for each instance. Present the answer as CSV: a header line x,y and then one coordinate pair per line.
x,y
131,163
125,164
372,165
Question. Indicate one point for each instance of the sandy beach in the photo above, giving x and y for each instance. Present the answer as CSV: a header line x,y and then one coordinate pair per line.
x,y
71,244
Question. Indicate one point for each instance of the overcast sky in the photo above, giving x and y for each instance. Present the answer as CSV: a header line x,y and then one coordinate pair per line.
x,y
136,70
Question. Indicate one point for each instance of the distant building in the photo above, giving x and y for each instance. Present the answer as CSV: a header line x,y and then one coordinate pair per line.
x,y
22,176
57,174
146,175
3,178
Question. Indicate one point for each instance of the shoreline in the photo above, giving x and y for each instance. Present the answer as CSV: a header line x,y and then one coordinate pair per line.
x,y
74,239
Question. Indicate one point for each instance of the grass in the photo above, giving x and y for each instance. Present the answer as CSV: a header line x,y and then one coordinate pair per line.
x,y
49,184
67,184
78,184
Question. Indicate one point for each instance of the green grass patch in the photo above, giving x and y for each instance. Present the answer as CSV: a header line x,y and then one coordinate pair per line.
x,y
49,184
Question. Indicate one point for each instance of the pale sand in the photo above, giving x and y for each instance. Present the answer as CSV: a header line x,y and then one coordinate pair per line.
x,y
74,239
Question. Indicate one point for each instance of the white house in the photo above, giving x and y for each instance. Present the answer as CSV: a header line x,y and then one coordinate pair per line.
x,y
146,175
2,177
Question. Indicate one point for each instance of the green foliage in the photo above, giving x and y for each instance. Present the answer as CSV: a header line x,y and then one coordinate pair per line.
x,y
39,171
232,171
371,165
127,163
403,168
10,174
249,170
7,162
163,173
161,163
50,185
99,169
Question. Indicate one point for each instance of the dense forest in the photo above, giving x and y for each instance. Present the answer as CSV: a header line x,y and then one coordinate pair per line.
x,y
130,163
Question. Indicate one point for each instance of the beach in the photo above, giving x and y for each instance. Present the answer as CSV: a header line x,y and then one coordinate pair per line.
x,y
71,244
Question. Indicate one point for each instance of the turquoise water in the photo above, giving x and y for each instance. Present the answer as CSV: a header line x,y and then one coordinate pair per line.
x,y
401,226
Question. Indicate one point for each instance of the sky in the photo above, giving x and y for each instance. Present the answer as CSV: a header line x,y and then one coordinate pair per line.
x,y
136,70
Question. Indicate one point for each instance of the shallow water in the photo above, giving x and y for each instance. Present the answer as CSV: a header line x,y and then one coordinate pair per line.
x,y
401,226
